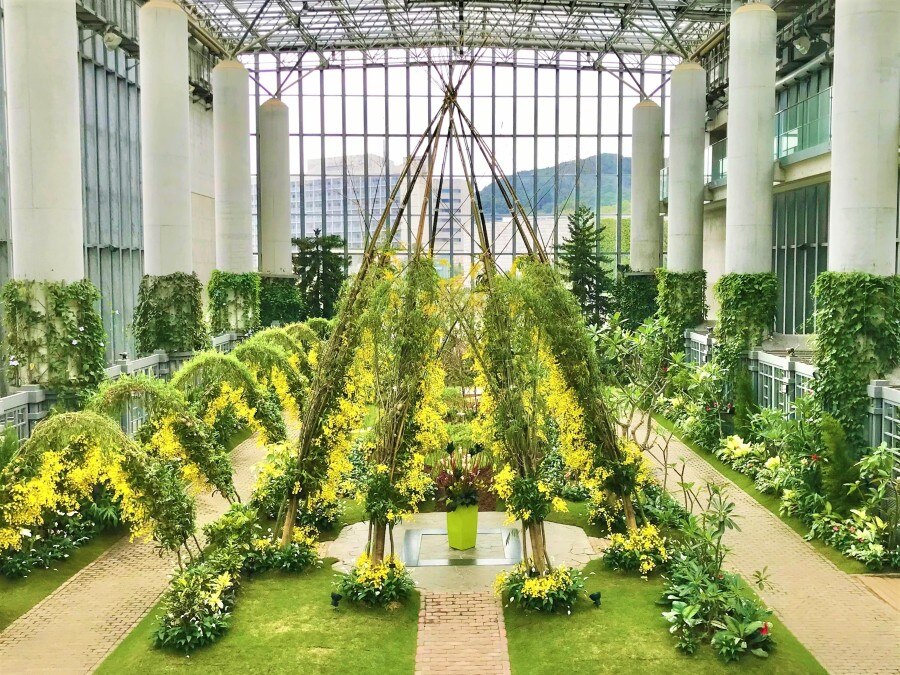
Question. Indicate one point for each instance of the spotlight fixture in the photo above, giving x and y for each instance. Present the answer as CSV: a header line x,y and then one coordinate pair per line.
x,y
595,598
111,39
802,43
336,599
305,6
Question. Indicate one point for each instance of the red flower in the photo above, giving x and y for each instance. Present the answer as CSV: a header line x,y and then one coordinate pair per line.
x,y
764,630
814,457
707,408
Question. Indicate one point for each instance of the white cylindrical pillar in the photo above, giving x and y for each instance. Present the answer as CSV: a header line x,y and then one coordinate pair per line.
x,y
865,119
165,138
646,163
751,140
44,122
274,189
231,147
687,145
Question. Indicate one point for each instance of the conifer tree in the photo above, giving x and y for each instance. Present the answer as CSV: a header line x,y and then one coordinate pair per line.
x,y
591,282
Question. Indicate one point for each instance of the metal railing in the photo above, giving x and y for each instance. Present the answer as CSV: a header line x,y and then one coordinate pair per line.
x,y
25,408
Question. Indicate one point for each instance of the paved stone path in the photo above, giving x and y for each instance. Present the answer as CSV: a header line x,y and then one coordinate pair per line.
x,y
73,629
836,617
461,634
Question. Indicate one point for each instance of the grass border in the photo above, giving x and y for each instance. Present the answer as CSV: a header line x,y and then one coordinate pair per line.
x,y
769,502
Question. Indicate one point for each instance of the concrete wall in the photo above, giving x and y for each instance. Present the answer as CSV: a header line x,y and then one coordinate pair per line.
x,y
713,251
203,200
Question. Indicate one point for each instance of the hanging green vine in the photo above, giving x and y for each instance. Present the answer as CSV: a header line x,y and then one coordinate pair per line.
x,y
169,314
681,297
233,302
857,339
280,300
635,297
55,336
746,314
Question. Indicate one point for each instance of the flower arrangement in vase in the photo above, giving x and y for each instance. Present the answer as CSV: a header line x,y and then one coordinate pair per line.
x,y
461,476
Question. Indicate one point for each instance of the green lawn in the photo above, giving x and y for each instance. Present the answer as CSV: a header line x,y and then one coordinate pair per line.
x,y
20,595
627,635
578,516
771,502
284,623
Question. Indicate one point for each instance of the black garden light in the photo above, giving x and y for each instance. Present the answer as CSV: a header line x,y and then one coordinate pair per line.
x,y
595,598
336,599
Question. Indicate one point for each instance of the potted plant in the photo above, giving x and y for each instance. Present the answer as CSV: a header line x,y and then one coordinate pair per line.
x,y
460,476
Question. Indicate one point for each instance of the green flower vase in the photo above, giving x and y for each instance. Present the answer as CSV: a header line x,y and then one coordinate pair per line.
x,y
462,527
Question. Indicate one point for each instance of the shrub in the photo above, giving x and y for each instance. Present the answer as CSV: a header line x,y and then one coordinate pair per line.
x,y
839,469
376,583
197,607
643,549
558,588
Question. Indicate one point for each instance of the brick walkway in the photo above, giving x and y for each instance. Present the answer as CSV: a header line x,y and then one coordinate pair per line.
x,y
840,621
461,634
73,629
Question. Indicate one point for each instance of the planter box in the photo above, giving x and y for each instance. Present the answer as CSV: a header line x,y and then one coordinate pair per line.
x,y
462,527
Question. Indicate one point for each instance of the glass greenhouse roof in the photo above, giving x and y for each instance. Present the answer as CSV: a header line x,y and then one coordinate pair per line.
x,y
321,26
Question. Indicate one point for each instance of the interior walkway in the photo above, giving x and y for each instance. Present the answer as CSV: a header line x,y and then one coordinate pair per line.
x,y
837,618
74,628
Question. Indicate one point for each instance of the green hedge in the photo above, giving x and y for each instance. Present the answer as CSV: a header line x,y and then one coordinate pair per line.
x,y
55,336
169,314
857,339
746,314
233,302
635,297
280,300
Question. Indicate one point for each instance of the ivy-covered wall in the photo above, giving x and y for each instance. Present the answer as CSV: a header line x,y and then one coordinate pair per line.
x,y
681,298
169,314
280,300
233,302
857,339
55,336
746,314
635,297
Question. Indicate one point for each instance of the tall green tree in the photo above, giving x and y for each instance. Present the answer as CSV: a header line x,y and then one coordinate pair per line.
x,y
320,265
591,282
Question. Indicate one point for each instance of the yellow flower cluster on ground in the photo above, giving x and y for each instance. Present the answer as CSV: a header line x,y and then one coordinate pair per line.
x,y
63,479
645,546
373,574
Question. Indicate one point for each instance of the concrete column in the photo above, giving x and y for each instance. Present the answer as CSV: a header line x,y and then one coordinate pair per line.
x,y
751,140
865,118
274,189
165,138
231,147
44,122
687,144
646,163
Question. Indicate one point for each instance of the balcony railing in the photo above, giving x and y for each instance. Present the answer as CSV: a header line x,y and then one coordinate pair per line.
x,y
717,162
804,125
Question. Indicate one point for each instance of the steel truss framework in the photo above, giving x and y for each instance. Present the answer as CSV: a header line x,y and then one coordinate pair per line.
x,y
322,26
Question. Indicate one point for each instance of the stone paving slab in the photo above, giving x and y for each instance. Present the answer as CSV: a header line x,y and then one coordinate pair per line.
x,y
74,628
461,634
836,617
566,545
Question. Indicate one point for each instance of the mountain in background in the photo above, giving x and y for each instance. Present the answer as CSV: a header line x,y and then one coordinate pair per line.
x,y
585,171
